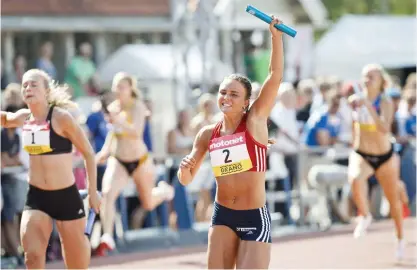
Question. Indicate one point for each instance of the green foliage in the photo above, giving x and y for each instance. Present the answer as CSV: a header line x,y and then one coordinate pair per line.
x,y
338,8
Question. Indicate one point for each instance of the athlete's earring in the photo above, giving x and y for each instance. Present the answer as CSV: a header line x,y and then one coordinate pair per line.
x,y
244,108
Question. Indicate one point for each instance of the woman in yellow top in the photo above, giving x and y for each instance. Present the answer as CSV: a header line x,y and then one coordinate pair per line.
x,y
48,133
373,150
127,157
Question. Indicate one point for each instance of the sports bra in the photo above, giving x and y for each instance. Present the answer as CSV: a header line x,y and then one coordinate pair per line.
x,y
236,153
41,139
120,132
363,117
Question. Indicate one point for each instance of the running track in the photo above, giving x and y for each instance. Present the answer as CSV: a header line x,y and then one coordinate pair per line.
x,y
335,249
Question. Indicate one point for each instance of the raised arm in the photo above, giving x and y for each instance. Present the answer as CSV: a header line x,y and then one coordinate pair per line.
x,y
263,105
17,119
192,162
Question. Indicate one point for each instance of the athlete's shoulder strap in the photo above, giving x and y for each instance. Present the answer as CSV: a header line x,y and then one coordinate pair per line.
x,y
216,130
51,109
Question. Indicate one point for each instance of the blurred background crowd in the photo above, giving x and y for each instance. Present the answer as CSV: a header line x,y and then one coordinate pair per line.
x,y
180,50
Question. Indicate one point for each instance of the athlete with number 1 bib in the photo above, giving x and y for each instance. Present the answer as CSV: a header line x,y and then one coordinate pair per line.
x,y
241,225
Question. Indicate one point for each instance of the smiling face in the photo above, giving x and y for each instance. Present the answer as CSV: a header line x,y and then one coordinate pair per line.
x,y
34,88
233,97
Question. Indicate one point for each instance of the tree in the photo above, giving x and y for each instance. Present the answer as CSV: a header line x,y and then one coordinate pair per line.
x,y
338,8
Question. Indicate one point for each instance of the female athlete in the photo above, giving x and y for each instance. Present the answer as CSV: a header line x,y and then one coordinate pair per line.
x,y
240,233
129,157
373,150
49,131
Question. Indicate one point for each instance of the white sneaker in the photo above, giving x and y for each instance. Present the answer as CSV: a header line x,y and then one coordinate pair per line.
x,y
168,190
362,226
108,239
400,249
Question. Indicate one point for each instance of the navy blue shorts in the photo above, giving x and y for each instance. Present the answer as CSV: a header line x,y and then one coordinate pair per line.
x,y
249,225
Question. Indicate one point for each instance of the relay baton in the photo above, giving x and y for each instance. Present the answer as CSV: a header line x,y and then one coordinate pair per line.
x,y
268,19
91,214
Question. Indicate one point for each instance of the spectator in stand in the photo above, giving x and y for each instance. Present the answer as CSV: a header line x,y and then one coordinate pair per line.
x,y
180,142
206,113
323,126
147,132
44,62
4,80
98,129
20,67
80,72
319,95
204,179
411,82
284,116
305,95
13,187
408,155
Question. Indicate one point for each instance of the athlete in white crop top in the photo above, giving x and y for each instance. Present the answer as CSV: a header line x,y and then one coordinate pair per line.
x,y
373,150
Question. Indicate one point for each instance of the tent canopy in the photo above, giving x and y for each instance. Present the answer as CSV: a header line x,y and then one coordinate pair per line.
x,y
356,40
156,62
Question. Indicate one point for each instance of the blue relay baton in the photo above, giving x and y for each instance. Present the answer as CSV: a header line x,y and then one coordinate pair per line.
x,y
91,214
268,19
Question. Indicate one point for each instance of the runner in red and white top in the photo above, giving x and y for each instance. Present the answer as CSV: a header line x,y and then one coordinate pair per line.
x,y
240,231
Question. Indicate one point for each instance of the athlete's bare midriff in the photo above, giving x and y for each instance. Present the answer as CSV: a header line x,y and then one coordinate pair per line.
x,y
51,172
241,191
129,149
371,142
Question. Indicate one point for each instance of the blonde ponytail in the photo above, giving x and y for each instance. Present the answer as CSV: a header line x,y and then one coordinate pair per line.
x,y
58,96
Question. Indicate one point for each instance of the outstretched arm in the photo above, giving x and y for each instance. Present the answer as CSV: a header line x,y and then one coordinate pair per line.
x,y
263,105
17,119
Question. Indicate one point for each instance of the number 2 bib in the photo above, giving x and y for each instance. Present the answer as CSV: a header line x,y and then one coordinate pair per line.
x,y
35,138
229,155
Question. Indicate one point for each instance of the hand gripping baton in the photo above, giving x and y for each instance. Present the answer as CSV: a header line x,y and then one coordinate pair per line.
x,y
91,214
268,19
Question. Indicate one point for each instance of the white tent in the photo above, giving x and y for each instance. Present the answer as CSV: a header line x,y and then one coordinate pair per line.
x,y
356,40
155,67
155,62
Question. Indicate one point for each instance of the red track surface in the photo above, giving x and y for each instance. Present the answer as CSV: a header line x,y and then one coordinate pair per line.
x,y
328,250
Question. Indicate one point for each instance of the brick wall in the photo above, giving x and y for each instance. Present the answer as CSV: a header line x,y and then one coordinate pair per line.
x,y
86,7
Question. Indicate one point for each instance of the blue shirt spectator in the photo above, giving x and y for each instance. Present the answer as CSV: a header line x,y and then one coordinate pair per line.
x,y
45,61
326,121
46,66
321,121
410,125
147,136
97,125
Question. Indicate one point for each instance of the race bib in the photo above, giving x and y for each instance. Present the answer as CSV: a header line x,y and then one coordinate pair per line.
x,y
229,155
36,139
